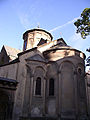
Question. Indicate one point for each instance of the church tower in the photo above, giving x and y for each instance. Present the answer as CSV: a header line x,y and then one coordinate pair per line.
x,y
34,37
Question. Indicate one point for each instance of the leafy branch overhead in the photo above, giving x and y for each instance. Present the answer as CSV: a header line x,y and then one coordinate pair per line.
x,y
83,24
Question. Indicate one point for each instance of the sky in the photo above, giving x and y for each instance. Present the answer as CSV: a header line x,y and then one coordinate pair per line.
x,y
55,16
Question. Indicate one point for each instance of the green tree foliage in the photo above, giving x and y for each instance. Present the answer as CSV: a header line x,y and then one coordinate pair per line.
x,y
83,27
83,24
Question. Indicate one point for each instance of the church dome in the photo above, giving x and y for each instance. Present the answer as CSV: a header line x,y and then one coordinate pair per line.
x,y
33,37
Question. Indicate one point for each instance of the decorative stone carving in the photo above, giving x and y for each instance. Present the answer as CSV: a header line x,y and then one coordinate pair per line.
x,y
35,111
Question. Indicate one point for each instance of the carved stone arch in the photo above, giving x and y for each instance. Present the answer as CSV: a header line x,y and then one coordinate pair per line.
x,y
37,70
38,90
39,74
68,62
40,67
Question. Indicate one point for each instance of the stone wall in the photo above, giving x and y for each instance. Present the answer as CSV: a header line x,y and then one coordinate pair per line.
x,y
88,91
9,71
69,99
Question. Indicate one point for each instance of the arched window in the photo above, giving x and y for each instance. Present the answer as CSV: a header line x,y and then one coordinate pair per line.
x,y
51,87
25,44
38,86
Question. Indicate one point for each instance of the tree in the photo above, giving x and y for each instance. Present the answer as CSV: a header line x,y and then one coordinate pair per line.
x,y
83,27
83,24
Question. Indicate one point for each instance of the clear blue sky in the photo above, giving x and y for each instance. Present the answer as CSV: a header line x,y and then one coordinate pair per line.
x,y
16,16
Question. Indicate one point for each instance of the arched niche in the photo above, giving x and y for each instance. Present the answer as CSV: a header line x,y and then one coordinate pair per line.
x,y
81,88
52,74
67,86
52,88
38,92
39,75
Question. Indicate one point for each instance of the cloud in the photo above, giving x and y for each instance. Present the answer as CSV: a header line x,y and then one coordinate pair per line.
x,y
81,44
61,26
24,20
78,42
26,12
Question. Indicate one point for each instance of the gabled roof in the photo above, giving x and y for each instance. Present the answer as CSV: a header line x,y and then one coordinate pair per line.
x,y
11,52
36,57
60,43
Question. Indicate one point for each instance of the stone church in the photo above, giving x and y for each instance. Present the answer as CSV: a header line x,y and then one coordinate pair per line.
x,y
45,81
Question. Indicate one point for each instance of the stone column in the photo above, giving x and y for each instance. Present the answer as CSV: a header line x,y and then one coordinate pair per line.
x,y
82,97
31,93
59,92
76,92
44,95
26,103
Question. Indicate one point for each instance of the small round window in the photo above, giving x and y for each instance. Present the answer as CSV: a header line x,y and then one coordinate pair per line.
x,y
79,71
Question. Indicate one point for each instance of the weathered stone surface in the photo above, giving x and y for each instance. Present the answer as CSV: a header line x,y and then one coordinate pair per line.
x,y
54,60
